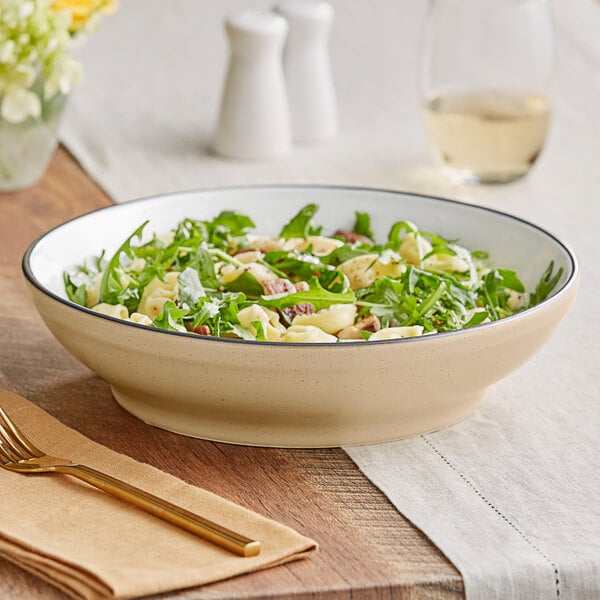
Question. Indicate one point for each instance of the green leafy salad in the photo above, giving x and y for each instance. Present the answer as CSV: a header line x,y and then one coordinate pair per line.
x,y
216,278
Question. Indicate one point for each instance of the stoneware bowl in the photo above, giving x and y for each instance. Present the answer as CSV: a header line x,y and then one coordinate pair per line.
x,y
300,395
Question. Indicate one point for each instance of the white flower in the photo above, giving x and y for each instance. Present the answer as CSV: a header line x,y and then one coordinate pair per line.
x,y
65,75
18,104
7,51
26,10
35,45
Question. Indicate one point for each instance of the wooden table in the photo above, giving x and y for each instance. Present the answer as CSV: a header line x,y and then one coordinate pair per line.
x,y
368,550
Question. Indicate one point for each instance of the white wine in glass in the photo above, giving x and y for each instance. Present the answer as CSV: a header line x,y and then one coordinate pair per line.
x,y
486,110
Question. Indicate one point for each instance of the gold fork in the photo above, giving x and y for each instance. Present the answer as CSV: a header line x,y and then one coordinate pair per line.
x,y
17,453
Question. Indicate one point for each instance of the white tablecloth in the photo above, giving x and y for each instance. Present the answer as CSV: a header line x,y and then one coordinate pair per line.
x,y
512,495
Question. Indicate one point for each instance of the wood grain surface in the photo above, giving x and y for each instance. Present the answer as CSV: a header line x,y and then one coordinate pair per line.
x,y
367,549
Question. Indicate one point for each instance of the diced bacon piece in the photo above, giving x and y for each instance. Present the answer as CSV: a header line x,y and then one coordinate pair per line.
x,y
303,308
278,286
352,332
350,237
202,330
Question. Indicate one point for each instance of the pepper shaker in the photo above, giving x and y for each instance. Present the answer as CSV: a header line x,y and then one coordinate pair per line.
x,y
307,66
254,119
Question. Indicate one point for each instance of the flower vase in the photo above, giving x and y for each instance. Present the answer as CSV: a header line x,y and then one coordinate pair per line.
x,y
26,147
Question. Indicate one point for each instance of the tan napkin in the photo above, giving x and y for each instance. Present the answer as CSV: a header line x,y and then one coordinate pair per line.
x,y
92,545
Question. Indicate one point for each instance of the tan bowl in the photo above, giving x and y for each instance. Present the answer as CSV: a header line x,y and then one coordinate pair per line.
x,y
300,395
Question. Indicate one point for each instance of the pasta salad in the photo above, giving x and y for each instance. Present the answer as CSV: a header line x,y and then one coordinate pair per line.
x,y
216,278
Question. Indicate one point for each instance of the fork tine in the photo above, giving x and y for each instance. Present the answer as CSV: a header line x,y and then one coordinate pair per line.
x,y
6,454
17,442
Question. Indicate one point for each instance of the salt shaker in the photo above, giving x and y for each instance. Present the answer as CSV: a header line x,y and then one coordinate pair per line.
x,y
254,119
307,65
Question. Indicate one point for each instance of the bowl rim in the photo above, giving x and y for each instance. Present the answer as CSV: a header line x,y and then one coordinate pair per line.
x,y
562,291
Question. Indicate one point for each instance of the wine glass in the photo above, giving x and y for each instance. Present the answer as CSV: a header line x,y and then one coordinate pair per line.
x,y
486,71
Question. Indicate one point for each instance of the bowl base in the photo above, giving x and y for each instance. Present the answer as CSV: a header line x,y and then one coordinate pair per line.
x,y
291,434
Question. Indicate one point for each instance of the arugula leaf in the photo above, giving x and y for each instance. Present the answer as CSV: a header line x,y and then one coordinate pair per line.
x,y
426,305
76,293
545,285
171,318
246,283
396,236
111,281
239,331
204,265
346,252
491,282
318,296
334,281
236,223
362,225
300,225
299,264
260,331
510,280
476,319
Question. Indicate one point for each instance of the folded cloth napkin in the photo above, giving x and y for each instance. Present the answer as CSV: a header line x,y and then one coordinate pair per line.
x,y
92,545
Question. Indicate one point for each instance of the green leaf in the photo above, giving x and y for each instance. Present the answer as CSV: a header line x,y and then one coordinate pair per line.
x,y
240,331
301,265
397,233
334,281
362,225
545,285
76,293
511,281
300,225
246,283
205,266
426,305
476,319
236,223
491,281
111,281
260,331
171,318
346,252
316,295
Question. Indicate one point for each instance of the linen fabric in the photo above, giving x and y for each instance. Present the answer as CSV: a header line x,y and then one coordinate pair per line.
x,y
92,545
510,495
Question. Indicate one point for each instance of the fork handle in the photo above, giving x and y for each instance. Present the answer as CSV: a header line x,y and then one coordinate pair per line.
x,y
213,532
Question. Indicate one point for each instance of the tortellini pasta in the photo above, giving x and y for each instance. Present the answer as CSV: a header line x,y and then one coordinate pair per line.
x,y
230,272
157,292
447,263
140,319
363,270
272,328
331,319
392,333
306,334
93,291
414,247
112,310
319,245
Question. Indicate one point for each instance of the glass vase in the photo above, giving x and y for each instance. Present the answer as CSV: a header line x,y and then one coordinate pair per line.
x,y
27,147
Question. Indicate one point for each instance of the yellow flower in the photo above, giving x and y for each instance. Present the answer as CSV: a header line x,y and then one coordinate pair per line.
x,y
83,12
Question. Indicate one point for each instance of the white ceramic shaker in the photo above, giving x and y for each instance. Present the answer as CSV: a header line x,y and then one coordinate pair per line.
x,y
307,65
254,121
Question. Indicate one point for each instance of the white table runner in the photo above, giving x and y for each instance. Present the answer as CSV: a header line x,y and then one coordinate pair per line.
x,y
512,495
